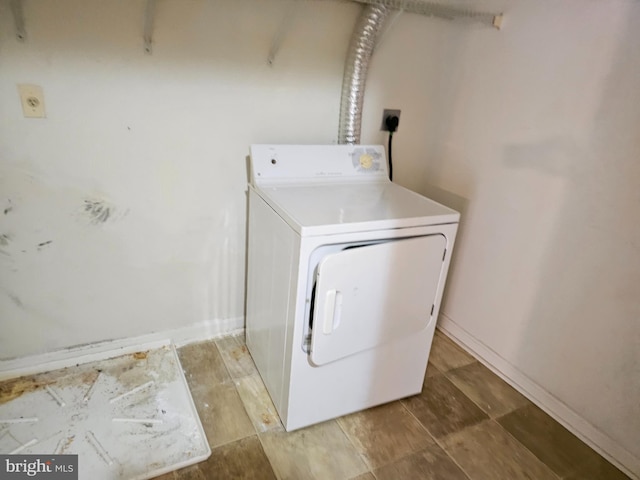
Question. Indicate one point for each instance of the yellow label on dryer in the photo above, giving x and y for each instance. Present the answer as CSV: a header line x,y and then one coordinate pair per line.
x,y
366,160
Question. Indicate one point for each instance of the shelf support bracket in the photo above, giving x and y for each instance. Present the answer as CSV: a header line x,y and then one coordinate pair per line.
x,y
147,33
497,21
18,19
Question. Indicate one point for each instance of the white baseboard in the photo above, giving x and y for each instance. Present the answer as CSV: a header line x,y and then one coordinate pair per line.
x,y
111,348
599,441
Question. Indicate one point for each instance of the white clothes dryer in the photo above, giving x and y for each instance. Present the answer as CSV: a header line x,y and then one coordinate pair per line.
x,y
346,272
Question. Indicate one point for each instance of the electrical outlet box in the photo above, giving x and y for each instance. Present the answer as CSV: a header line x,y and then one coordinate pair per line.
x,y
32,100
389,113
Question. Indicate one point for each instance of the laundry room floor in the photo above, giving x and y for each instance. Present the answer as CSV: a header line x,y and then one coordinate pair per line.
x,y
466,424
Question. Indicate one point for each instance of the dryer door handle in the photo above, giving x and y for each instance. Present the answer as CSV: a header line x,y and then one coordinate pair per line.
x,y
332,311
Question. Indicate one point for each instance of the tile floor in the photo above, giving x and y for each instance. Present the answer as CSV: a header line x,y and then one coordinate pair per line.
x,y
467,424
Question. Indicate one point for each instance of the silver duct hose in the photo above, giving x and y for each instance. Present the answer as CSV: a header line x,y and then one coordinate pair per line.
x,y
435,9
356,66
363,42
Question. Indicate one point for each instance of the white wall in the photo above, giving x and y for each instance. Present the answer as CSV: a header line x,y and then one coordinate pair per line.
x,y
162,142
533,133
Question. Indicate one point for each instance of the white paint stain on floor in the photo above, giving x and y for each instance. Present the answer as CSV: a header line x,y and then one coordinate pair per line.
x,y
129,417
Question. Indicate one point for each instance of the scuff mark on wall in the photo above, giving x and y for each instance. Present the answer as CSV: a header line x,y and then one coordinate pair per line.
x,y
97,210
44,243
15,299
101,211
8,208
5,240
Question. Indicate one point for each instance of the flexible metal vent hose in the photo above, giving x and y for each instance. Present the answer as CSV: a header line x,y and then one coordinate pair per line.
x,y
363,41
356,66
434,9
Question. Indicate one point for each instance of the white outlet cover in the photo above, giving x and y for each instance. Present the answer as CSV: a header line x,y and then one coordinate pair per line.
x,y
32,100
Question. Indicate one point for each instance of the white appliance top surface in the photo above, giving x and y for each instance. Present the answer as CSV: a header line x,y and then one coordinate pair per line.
x,y
328,189
346,208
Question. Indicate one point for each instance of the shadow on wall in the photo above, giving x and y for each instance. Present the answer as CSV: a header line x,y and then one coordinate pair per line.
x,y
459,204
549,278
584,313
449,79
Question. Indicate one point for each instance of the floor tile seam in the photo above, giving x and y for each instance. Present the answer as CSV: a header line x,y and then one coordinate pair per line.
x,y
438,443
443,446
227,336
273,469
571,472
355,447
224,362
468,398
275,410
417,419
445,368
231,375
446,374
471,362
244,407
415,452
499,417
261,446
264,452
437,370
195,344
451,340
453,459
460,368
235,386
227,442
555,474
412,450
234,378
204,387
220,340
226,369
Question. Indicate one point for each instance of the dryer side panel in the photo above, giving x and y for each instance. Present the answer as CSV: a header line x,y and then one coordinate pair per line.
x,y
272,250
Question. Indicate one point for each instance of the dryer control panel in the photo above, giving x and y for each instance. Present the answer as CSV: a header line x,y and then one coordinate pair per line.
x,y
318,164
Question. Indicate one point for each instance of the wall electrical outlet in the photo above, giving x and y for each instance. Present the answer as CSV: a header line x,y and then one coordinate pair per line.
x,y
32,100
388,113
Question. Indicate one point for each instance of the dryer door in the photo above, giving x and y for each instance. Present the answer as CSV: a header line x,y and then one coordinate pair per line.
x,y
370,295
